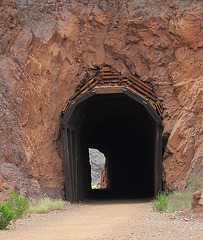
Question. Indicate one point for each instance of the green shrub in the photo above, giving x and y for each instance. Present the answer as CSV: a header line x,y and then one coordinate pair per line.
x,y
6,216
46,205
17,204
161,202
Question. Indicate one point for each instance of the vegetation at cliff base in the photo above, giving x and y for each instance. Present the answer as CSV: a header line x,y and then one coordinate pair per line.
x,y
46,205
13,208
177,200
6,216
161,202
17,203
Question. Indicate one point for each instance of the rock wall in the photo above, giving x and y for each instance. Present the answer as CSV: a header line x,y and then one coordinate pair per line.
x,y
48,47
97,161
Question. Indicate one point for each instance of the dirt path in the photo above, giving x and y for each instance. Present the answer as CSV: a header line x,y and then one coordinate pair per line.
x,y
105,220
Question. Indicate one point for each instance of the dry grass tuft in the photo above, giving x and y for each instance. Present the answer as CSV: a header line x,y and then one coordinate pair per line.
x,y
181,199
178,200
45,205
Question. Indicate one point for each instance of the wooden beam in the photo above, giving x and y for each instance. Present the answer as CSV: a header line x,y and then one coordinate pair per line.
x,y
136,79
110,77
141,85
142,91
108,90
110,73
66,162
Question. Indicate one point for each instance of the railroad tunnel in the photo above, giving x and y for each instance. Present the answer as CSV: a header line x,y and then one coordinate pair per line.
x,y
124,126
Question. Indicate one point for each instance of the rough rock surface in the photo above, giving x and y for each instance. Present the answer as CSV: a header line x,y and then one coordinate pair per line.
x,y
48,47
97,160
105,176
197,202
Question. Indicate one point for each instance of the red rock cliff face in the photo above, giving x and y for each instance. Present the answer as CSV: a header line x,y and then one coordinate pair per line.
x,y
48,48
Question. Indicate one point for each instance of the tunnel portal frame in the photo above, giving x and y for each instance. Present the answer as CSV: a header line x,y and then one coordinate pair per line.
x,y
106,81
76,188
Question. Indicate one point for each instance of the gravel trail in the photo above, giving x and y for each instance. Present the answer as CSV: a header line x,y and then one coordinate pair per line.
x,y
106,220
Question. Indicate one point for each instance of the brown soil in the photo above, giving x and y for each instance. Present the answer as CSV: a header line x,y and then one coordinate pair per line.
x,y
106,220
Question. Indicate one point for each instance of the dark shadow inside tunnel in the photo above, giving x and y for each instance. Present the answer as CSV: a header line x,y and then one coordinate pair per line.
x,y
126,132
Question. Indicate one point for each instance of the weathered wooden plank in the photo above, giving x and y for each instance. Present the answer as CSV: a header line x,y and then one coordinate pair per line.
x,y
141,85
105,69
77,166
90,87
110,74
111,82
136,79
74,96
65,107
158,109
136,92
109,77
157,160
142,91
87,84
71,165
66,158
152,104
108,90
74,166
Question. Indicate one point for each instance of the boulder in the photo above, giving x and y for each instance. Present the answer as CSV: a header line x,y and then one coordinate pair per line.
x,y
197,202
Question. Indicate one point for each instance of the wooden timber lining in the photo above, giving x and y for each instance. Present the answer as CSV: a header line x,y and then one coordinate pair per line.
x,y
107,76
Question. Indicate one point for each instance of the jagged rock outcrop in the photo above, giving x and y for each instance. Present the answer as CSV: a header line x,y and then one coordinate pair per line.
x,y
104,183
47,48
197,202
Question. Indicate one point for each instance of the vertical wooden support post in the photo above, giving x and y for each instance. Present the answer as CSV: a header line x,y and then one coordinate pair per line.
x,y
76,167
73,166
157,159
66,164
79,166
71,163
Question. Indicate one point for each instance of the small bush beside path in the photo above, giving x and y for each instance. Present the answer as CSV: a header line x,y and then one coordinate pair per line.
x,y
13,208
45,205
17,205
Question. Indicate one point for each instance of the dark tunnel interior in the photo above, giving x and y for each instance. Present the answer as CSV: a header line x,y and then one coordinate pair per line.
x,y
124,131
127,130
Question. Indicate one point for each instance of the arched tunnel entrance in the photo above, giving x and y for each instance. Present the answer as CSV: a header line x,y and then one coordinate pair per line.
x,y
126,128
